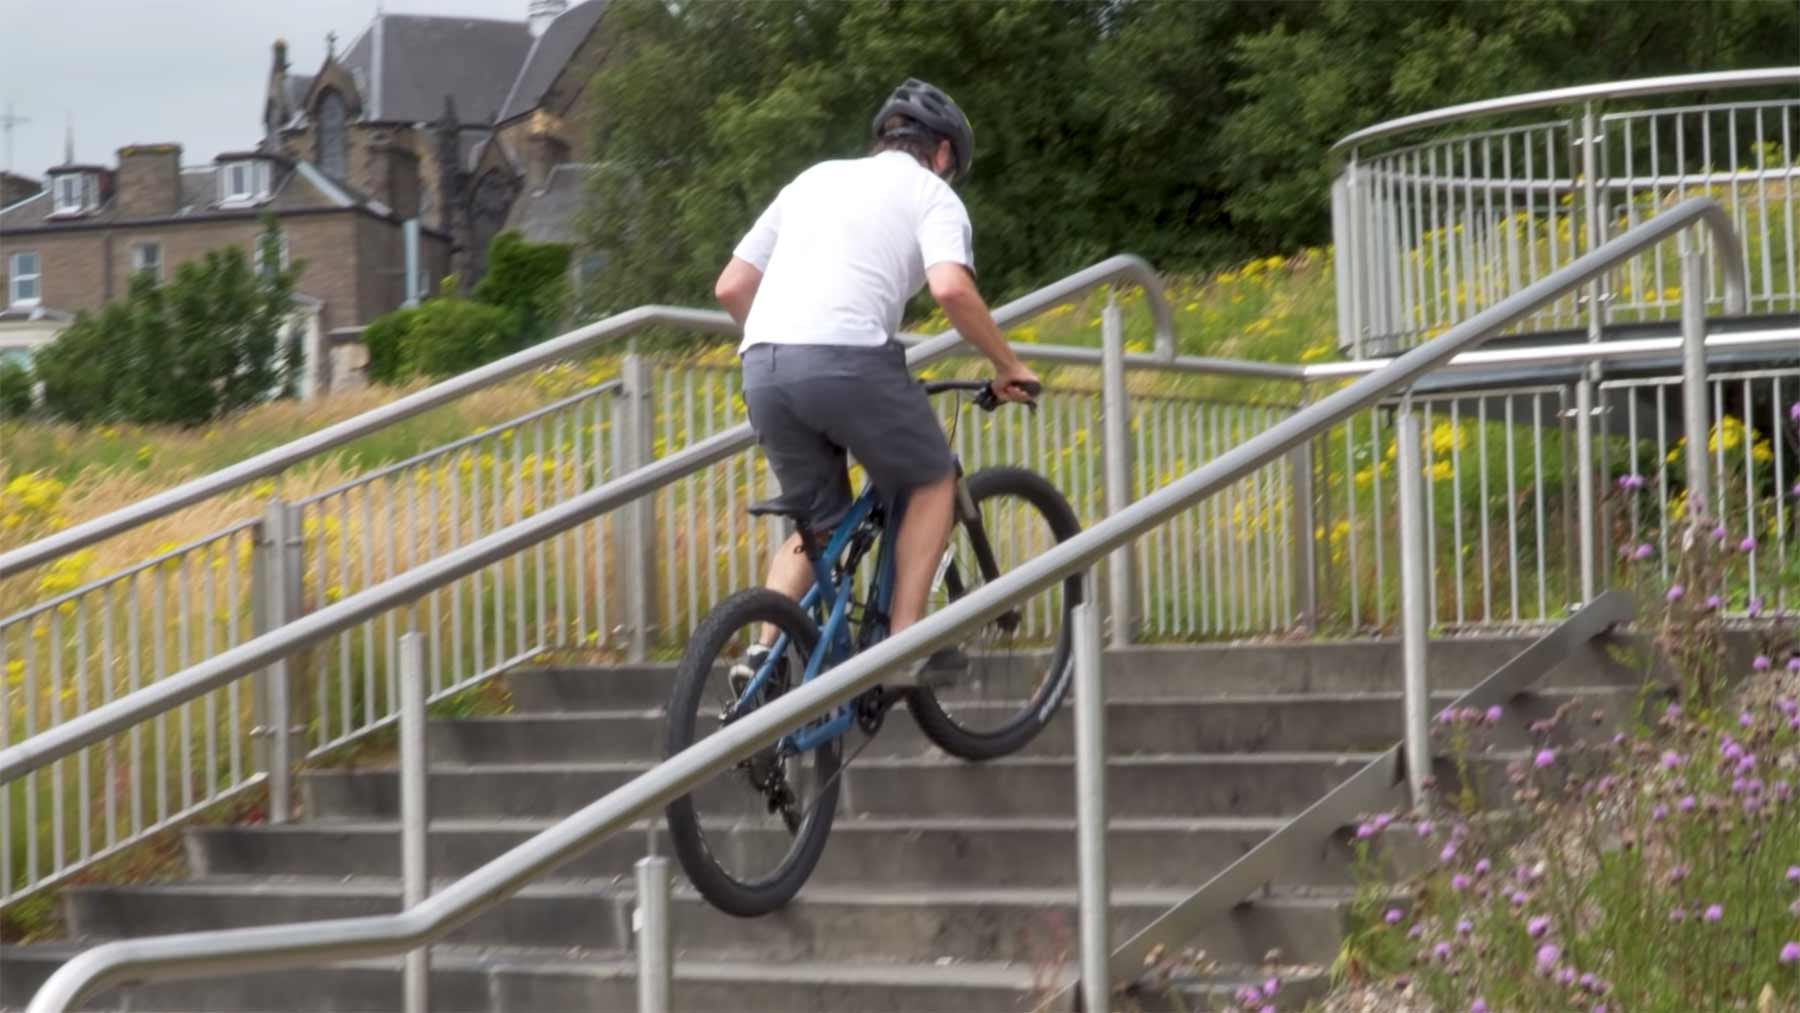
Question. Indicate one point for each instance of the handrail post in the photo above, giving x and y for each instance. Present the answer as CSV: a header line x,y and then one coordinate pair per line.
x,y
277,604
415,870
1413,610
1305,603
1693,377
1586,494
635,530
650,920
1115,418
1090,807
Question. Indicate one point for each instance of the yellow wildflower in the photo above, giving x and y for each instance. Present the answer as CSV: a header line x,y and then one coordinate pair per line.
x,y
1441,471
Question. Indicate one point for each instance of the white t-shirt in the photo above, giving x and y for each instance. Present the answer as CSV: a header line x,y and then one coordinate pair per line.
x,y
845,245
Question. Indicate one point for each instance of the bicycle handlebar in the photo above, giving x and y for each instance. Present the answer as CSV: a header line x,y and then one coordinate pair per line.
x,y
985,397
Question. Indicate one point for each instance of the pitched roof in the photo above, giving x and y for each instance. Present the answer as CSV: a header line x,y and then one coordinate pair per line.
x,y
297,186
423,58
547,215
550,53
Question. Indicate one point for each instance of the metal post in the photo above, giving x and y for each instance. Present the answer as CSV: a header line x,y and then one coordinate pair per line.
x,y
1590,196
636,524
650,920
1115,417
1587,496
1413,609
1306,566
1358,267
1090,809
1693,378
415,871
276,607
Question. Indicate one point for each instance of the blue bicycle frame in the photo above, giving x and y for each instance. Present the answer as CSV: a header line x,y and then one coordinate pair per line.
x,y
835,644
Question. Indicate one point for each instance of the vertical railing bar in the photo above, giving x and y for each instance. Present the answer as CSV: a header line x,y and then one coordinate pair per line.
x,y
29,683
1762,216
389,557
1140,547
712,503
601,448
435,610
1190,571
321,593
6,790
1512,515
497,503
210,712
369,627
1749,478
564,636
1527,145
538,461
134,679
670,495
1430,486
1376,520
108,664
732,465
1512,223
160,625
690,494
1487,561
234,605
517,495
184,583
1221,534
53,645
1352,567
1456,505
84,777
1787,203
1781,489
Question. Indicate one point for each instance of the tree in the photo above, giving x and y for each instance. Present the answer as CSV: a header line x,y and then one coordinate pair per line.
x,y
15,390
1193,133
206,344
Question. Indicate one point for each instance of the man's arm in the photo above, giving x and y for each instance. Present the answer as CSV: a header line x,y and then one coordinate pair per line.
x,y
954,289
736,288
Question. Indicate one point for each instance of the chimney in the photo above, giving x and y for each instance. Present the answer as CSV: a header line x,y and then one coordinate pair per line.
x,y
542,13
149,182
14,188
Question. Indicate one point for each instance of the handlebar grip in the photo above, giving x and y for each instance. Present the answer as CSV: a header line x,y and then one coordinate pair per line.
x,y
989,400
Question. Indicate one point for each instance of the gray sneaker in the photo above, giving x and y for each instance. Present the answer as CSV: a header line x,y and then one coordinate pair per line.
x,y
741,673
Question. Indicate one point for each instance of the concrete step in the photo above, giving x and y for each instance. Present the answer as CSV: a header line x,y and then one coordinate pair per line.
x,y
1177,785
1178,671
1278,722
473,980
886,853
825,923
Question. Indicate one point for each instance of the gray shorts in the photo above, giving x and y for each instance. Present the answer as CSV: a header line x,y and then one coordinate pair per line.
x,y
809,404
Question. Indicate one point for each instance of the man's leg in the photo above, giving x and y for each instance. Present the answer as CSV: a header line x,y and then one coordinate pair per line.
x,y
790,573
924,532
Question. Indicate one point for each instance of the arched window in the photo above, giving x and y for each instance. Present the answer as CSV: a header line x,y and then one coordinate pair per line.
x,y
333,153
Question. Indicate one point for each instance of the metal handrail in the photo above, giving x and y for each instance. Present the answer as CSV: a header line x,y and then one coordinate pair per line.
x,y
1565,96
238,951
271,462
106,720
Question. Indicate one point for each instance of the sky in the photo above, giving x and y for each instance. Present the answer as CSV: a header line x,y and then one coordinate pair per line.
x,y
190,72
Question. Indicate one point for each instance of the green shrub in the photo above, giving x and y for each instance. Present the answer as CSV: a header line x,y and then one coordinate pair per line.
x,y
206,344
530,281
15,390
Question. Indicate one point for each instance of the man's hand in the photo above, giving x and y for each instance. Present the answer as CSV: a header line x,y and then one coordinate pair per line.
x,y
1010,381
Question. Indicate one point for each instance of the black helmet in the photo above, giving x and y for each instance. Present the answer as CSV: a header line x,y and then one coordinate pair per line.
x,y
934,111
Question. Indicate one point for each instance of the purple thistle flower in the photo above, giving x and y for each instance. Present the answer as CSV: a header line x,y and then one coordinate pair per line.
x,y
1790,953
1364,832
1672,712
1520,898
1537,926
1714,912
1460,882
1794,412
1730,749
1676,591
1417,931
1794,663
1478,1006
1547,956
1442,952
1464,927
1761,663
1685,804
1544,758
1677,915
1671,760
1591,983
1393,917
1425,829
1748,545
1494,714
1720,534
1642,552
1565,977
1793,873
1787,706
1447,855
1483,867
1680,872
1745,720
1796,490
1754,608
1659,813
1746,763
1270,987
1599,1007
1713,602
1752,805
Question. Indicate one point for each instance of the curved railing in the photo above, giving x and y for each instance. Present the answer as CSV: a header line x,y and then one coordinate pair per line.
x,y
238,951
1430,232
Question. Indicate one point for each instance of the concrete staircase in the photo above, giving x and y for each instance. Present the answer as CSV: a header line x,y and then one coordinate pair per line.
x,y
945,886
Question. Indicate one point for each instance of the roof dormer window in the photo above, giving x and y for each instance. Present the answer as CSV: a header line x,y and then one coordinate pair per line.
x,y
74,193
243,181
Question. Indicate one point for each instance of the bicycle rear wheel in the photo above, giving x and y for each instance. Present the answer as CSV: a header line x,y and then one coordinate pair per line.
x,y
1019,662
749,838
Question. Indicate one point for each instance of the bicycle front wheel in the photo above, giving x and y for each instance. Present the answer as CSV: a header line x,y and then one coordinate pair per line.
x,y
749,838
1019,661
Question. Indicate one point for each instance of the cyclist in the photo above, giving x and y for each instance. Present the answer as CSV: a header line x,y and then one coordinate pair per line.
x,y
818,285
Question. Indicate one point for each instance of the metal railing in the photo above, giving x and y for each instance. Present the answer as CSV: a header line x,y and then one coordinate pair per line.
x,y
1428,234
291,945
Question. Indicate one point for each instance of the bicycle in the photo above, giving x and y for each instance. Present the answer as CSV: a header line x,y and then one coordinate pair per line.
x,y
781,822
